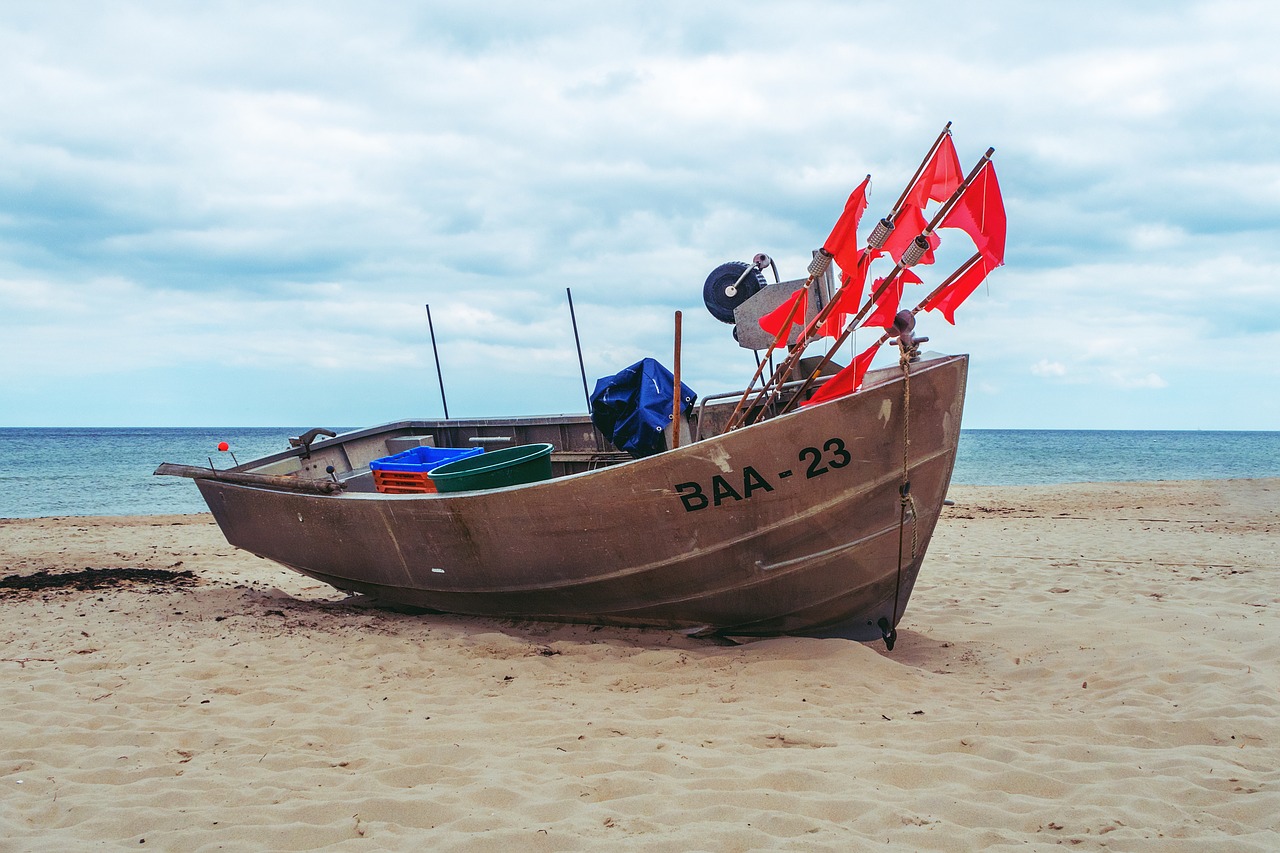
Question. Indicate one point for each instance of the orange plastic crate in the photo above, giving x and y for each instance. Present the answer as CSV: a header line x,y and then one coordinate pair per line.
x,y
403,482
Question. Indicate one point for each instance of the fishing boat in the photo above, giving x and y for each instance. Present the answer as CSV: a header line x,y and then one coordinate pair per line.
x,y
803,504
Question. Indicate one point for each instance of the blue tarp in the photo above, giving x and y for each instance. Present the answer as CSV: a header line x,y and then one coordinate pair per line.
x,y
634,406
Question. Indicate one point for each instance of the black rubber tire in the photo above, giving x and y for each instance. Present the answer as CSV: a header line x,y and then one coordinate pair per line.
x,y
713,295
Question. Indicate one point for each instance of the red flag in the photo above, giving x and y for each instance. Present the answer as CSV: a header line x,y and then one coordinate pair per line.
x,y
887,305
779,321
849,296
980,213
847,380
843,242
958,291
908,225
939,178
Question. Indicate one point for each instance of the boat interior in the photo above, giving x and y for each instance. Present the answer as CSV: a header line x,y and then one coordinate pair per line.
x,y
577,445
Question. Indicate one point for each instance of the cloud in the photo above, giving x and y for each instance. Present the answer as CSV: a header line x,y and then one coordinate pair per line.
x,y
1149,380
208,190
1044,367
1156,237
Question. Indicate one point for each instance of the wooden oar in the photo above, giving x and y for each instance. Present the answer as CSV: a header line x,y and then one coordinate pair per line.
x,y
248,478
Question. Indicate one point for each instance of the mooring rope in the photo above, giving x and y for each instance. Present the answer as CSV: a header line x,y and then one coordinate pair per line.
x,y
904,491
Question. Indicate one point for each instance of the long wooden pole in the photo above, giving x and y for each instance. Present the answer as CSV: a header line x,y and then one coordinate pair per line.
x,y
677,394
946,131
248,478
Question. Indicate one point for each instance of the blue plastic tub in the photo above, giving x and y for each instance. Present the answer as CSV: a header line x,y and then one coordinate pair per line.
x,y
423,459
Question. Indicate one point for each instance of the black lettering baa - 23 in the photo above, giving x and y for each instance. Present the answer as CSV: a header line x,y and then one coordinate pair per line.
x,y
696,495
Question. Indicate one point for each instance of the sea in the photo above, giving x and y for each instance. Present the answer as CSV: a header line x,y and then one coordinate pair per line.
x,y
87,471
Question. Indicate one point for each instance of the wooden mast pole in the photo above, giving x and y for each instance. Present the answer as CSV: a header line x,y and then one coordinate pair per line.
x,y
677,395
946,131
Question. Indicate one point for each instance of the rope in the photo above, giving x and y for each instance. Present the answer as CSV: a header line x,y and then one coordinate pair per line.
x,y
904,491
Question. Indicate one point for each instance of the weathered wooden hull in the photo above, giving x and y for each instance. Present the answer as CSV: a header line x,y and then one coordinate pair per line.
x,y
790,526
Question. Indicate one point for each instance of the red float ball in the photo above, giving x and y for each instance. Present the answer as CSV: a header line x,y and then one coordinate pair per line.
x,y
223,446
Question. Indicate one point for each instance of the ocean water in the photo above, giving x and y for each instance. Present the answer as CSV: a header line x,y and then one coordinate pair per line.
x,y
1012,457
85,471
55,472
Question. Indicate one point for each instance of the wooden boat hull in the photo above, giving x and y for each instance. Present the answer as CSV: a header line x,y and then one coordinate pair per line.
x,y
790,526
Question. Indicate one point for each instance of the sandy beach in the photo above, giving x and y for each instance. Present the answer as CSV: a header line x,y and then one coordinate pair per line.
x,y
1095,666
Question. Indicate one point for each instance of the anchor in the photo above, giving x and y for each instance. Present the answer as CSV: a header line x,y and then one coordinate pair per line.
x,y
888,633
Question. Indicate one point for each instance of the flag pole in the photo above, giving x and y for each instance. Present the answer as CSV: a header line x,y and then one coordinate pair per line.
x,y
946,131
435,352
920,244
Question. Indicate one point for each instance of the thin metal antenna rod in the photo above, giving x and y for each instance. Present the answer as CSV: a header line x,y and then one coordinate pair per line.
x,y
435,352
578,343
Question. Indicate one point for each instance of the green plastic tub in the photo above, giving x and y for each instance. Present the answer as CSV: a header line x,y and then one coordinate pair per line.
x,y
493,469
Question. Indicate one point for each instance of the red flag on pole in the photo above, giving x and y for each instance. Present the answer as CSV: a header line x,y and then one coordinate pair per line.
x,y
939,177
776,321
908,225
979,212
958,291
849,297
887,305
843,242
847,380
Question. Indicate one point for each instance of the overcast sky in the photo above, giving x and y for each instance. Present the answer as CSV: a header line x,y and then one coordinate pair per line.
x,y
233,213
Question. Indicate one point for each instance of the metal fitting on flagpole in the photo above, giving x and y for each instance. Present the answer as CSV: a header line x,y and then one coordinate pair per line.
x,y
821,261
915,251
880,234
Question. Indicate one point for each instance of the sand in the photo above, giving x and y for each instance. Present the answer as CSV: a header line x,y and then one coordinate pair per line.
x,y
1093,666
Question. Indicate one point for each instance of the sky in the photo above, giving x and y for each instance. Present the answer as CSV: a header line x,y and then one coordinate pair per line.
x,y
234,214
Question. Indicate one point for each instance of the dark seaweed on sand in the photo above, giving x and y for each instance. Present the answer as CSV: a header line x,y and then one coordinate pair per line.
x,y
89,579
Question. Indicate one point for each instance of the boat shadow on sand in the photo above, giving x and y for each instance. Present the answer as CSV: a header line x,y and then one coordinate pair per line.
x,y
270,609
261,608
